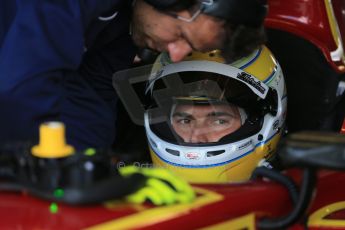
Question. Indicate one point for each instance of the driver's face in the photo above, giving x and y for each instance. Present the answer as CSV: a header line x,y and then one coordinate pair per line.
x,y
205,123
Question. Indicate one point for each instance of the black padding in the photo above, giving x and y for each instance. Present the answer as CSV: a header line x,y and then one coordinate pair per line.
x,y
245,12
170,4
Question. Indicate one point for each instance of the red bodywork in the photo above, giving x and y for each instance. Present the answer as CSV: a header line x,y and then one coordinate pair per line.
x,y
217,204
309,19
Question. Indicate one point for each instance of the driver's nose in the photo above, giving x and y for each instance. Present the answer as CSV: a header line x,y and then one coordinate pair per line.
x,y
199,135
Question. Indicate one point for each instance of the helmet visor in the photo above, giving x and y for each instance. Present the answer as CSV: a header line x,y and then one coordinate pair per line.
x,y
196,108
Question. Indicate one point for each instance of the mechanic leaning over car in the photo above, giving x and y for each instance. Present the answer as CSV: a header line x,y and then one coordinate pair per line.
x,y
57,57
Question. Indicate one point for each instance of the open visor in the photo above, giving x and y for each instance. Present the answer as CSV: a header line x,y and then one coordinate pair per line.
x,y
196,102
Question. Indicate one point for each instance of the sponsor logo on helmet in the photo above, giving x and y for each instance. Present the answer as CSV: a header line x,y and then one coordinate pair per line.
x,y
245,145
192,155
276,125
251,81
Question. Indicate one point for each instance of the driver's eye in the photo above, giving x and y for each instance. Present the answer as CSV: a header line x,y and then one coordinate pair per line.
x,y
221,122
184,121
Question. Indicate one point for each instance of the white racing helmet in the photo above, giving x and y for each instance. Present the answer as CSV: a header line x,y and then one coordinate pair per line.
x,y
212,122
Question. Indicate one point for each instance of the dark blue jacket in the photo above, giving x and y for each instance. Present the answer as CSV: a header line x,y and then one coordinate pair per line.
x,y
56,62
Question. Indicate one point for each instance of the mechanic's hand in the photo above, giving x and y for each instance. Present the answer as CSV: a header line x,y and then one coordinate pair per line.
x,y
162,187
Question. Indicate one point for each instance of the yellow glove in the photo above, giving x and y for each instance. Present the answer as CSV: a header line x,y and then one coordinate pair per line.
x,y
162,187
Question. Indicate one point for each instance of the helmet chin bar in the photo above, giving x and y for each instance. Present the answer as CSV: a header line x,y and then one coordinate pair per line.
x,y
239,12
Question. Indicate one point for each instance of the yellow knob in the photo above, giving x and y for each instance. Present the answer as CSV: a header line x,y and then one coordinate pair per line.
x,y
52,142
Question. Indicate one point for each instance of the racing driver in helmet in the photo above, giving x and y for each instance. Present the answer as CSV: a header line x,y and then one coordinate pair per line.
x,y
213,122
